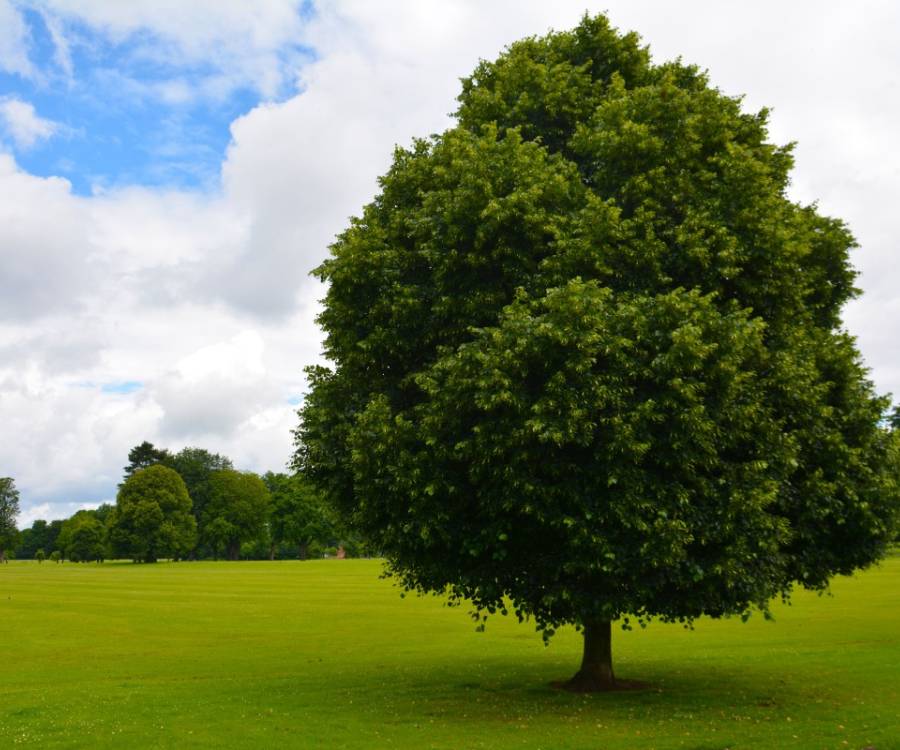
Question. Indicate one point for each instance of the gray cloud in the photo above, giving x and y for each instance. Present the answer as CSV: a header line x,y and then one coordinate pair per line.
x,y
215,389
57,349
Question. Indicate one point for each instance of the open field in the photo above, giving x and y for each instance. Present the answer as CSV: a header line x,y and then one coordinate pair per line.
x,y
323,654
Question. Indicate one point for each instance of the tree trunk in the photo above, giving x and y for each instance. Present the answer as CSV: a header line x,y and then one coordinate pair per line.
x,y
596,671
303,551
271,552
234,550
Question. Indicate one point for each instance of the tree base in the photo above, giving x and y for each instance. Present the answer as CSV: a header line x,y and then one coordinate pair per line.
x,y
591,681
591,684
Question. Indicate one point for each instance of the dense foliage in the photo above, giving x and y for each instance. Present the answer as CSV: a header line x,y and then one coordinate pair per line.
x,y
299,517
144,455
295,524
236,512
83,537
586,355
40,535
195,466
152,518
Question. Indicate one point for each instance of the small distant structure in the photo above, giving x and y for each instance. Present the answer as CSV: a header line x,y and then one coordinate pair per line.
x,y
341,552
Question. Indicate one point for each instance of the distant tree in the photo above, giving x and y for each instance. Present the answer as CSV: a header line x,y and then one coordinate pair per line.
x,y
299,516
9,510
587,356
259,548
43,535
145,455
152,517
56,556
65,534
83,538
54,529
236,511
195,465
32,539
40,556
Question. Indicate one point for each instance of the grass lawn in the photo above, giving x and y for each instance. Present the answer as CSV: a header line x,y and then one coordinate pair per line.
x,y
324,654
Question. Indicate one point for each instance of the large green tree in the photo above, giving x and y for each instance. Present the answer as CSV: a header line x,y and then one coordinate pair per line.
x,y
9,510
587,356
237,511
152,517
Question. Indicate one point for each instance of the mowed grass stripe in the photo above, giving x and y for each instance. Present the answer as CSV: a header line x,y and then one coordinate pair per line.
x,y
324,653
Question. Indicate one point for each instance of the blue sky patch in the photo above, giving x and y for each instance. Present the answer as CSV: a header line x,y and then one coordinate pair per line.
x,y
126,386
127,114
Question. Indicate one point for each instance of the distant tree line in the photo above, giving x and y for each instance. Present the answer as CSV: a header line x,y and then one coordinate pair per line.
x,y
188,505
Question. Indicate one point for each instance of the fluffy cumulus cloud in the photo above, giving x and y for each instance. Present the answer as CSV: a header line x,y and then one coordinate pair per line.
x,y
185,314
216,389
44,265
22,124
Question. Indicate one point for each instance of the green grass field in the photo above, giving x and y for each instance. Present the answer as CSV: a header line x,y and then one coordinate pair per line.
x,y
324,654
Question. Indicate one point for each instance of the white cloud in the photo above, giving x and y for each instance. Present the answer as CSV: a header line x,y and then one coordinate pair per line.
x,y
14,42
64,439
43,244
228,43
212,391
61,51
34,513
23,124
54,511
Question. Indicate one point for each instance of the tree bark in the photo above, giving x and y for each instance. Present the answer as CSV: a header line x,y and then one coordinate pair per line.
x,y
596,671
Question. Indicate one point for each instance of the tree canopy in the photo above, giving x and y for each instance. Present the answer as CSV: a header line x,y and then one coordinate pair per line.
x,y
41,535
299,516
152,517
83,537
196,465
145,455
586,355
34,538
236,511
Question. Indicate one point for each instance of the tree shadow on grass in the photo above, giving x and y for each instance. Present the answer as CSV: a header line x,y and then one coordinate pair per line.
x,y
499,689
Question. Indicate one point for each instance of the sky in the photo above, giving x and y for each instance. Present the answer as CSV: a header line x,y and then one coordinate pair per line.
x,y
171,171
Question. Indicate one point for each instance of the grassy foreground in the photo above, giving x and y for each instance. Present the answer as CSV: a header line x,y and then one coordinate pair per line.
x,y
323,654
